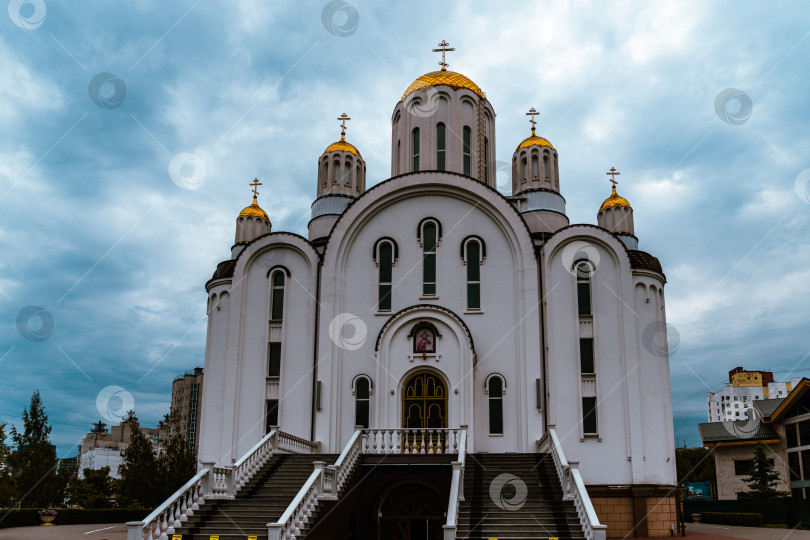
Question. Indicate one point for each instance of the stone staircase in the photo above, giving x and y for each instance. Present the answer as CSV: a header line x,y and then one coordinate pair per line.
x,y
262,500
514,496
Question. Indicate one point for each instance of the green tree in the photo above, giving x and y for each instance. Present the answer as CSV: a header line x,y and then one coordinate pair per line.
x,y
695,465
762,478
7,489
140,483
92,491
178,461
34,462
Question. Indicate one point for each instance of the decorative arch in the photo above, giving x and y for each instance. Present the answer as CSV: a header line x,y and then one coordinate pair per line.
x,y
376,253
480,242
490,377
362,376
279,267
422,224
393,318
424,335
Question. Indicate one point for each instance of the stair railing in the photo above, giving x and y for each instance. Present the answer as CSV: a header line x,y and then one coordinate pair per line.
x,y
456,488
335,476
573,486
411,441
302,508
254,459
170,515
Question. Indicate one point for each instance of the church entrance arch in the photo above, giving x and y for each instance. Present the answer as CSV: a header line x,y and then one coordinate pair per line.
x,y
411,512
424,412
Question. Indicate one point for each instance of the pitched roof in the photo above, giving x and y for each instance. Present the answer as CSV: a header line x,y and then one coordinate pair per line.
x,y
740,431
766,407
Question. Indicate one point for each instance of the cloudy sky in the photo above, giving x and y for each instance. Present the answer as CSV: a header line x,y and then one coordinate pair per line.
x,y
131,130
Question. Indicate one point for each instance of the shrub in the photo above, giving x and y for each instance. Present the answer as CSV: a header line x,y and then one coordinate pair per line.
x,y
736,518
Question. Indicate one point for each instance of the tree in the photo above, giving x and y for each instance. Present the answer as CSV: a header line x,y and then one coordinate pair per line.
x,y
7,489
178,461
34,462
695,465
762,478
140,483
92,491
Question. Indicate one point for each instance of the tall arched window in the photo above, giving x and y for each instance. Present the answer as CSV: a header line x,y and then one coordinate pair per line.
x,y
277,296
584,271
336,171
440,146
325,171
535,166
545,167
399,153
495,386
486,160
415,146
386,271
524,169
429,240
472,258
357,172
347,173
467,136
362,392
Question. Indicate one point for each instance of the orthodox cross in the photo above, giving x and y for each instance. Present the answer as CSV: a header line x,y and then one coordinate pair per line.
x,y
443,49
255,185
613,172
343,119
532,112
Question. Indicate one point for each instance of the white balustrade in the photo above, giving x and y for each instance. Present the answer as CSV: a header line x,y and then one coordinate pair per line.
x,y
292,522
573,486
170,515
456,487
335,476
411,441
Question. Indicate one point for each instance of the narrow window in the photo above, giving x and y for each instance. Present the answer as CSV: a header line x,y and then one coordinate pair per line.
x,y
386,263
274,360
486,160
277,301
495,406
545,166
524,171
336,172
325,172
466,151
473,258
586,356
415,149
429,258
584,288
399,153
440,147
347,173
357,179
271,415
361,402
535,167
589,415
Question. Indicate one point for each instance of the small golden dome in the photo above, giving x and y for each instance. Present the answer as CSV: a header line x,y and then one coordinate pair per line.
x,y
615,200
534,140
342,146
449,78
254,211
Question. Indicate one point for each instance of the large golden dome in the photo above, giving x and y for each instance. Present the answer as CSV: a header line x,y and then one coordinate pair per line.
x,y
449,78
342,146
254,211
534,140
614,200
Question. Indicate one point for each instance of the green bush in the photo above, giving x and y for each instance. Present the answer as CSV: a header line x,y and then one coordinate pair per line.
x,y
28,517
737,518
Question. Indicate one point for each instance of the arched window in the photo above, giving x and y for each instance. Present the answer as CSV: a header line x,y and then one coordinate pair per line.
x,y
430,236
362,393
486,160
415,147
535,166
524,169
467,135
357,177
495,389
325,174
545,166
399,152
386,263
584,271
277,296
336,171
347,173
472,259
440,146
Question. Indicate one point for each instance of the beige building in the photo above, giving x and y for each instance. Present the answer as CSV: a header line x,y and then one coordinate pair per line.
x,y
103,448
737,396
186,399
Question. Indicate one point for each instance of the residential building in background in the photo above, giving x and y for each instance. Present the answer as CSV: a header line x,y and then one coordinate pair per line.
x,y
186,399
102,448
736,398
68,467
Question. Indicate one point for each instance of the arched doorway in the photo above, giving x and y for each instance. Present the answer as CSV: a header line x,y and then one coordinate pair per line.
x,y
424,411
412,512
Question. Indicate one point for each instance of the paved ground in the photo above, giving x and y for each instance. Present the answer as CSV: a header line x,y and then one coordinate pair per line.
x,y
99,531
725,532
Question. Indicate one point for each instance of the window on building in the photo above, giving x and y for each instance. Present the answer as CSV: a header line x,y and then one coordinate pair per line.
x,y
524,169
535,167
791,435
440,146
742,467
274,360
277,296
386,273
584,288
486,160
586,362
804,433
467,135
336,171
495,391
271,415
473,261
415,151
399,152
793,466
429,237
362,391
589,426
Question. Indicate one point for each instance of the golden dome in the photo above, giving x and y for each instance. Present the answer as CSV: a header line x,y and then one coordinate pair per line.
x,y
342,146
254,211
534,140
615,200
449,78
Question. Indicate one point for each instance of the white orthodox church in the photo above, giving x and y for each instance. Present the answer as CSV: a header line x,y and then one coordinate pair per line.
x,y
431,307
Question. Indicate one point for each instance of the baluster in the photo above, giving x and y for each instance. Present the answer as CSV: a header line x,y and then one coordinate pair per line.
x,y
151,534
183,508
164,525
195,498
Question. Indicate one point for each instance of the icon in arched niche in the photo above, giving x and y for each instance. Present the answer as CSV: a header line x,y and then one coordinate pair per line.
x,y
424,336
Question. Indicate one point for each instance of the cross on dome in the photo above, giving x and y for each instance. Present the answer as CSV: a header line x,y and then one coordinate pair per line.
x,y
612,173
443,48
532,112
255,184
343,119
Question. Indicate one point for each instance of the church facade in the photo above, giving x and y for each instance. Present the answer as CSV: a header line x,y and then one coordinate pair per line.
x,y
432,300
